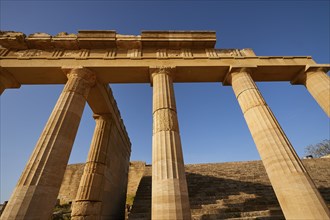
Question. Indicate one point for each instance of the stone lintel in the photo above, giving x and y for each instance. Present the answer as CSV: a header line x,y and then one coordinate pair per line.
x,y
178,39
128,41
64,40
300,77
96,34
40,41
46,71
107,39
12,39
106,116
247,68
99,39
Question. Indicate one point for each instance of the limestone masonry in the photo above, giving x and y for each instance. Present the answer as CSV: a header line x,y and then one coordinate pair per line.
x,y
216,190
87,62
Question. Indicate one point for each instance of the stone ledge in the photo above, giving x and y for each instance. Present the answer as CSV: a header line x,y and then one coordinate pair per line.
x,y
108,39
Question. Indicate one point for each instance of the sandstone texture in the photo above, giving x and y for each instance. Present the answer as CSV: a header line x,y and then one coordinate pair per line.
x,y
233,190
70,183
239,190
169,187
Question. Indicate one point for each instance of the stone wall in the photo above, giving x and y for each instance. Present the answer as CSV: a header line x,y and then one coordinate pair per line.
x,y
135,174
216,190
74,172
116,177
103,185
242,189
70,183
239,190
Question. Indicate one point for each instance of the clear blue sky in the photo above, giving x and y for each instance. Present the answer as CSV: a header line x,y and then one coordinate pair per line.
x,y
212,126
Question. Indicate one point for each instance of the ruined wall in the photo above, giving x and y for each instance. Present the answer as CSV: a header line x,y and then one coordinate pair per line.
x,y
241,189
117,166
70,183
216,190
135,174
116,177
74,172
231,190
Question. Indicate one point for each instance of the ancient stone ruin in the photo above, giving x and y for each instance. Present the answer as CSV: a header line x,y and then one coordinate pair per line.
x,y
232,190
87,62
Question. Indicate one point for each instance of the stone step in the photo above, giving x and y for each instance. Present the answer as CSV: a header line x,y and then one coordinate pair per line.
x,y
136,216
260,218
235,190
142,209
212,214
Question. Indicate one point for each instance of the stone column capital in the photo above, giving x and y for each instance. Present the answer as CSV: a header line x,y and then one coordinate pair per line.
x,y
317,82
316,68
80,80
237,69
7,80
80,72
168,70
104,117
300,78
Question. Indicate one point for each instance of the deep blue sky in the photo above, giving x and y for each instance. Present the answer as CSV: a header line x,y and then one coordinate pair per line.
x,y
212,126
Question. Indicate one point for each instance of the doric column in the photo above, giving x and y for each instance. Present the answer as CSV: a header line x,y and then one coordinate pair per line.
x,y
317,83
88,203
7,80
35,194
295,191
169,187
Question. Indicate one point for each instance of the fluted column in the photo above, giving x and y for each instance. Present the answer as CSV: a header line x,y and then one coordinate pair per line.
x,y
317,82
88,202
7,80
35,194
295,191
169,187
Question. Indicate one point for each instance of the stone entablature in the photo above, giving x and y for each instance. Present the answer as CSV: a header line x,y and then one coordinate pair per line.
x,y
110,45
109,54
106,39
128,57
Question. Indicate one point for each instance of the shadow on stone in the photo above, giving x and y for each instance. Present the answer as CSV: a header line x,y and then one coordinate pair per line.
x,y
219,198
142,202
239,190
216,198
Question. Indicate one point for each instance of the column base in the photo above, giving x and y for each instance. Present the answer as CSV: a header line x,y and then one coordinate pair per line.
x,y
170,200
19,207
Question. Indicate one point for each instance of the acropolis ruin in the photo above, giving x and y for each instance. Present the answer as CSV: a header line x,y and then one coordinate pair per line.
x,y
87,62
